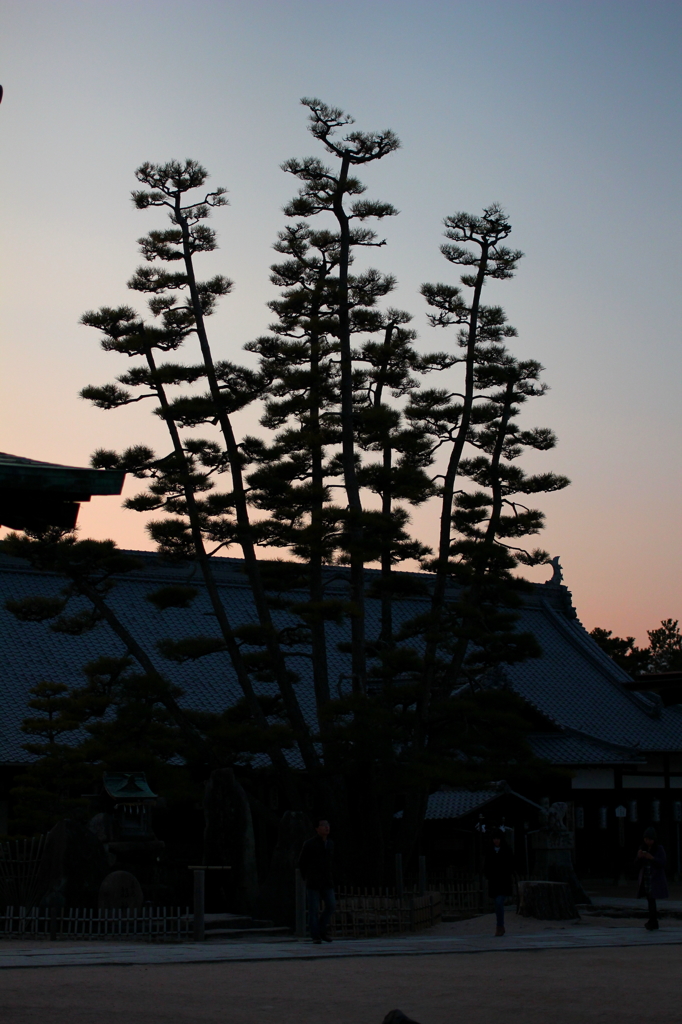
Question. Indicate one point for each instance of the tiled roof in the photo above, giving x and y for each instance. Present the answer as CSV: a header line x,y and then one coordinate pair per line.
x,y
455,803
574,685
128,786
30,651
565,748
578,687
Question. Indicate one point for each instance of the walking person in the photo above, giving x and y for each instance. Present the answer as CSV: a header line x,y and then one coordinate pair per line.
x,y
652,881
499,870
315,864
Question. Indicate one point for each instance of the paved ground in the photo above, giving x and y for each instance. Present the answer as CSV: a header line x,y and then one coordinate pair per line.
x,y
95,953
630,903
589,972
471,936
578,986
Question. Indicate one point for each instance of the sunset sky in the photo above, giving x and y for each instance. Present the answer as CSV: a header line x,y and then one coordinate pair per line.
x,y
566,112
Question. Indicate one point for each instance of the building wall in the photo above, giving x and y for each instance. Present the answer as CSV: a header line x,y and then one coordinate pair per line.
x,y
643,795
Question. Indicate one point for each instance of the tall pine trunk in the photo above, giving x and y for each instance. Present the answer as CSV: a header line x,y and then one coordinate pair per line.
x,y
386,630
416,798
276,753
355,525
457,660
282,675
317,622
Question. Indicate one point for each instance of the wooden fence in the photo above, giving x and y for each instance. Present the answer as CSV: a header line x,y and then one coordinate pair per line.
x,y
460,893
366,913
71,923
20,862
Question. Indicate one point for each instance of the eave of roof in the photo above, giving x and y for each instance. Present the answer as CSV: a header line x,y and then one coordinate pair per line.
x,y
21,474
574,749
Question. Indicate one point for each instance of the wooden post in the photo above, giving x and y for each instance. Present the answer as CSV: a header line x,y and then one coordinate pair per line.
x,y
300,899
422,875
399,875
199,897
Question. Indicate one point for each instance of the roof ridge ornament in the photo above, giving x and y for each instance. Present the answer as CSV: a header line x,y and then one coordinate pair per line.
x,y
557,577
127,786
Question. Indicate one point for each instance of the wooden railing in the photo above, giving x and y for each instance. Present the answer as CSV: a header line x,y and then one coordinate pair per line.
x,y
146,923
366,913
461,893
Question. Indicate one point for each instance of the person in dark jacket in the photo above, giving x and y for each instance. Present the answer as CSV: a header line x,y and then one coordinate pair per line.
x,y
652,881
499,870
315,864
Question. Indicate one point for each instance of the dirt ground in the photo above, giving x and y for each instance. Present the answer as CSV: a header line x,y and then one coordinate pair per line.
x,y
582,986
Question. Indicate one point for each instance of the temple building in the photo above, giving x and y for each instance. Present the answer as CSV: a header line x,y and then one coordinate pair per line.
x,y
619,747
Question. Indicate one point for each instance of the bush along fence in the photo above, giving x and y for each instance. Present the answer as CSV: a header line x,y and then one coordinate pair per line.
x,y
61,922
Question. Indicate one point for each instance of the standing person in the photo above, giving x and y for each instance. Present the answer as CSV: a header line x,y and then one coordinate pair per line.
x,y
315,864
652,881
499,869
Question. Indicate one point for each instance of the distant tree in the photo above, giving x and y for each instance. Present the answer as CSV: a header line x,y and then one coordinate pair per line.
x,y
665,646
664,653
623,650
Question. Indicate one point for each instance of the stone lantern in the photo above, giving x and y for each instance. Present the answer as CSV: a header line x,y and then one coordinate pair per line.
x,y
127,827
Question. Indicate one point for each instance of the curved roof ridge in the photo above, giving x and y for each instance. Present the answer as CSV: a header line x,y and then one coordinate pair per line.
x,y
613,672
581,639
